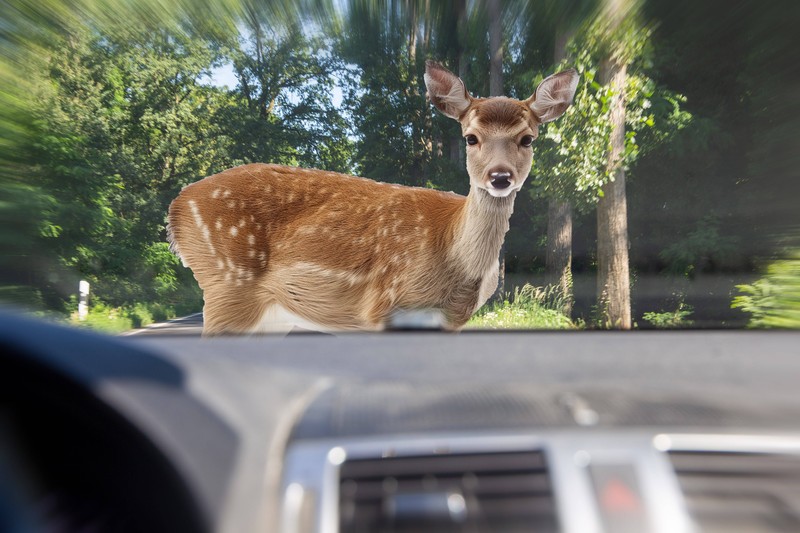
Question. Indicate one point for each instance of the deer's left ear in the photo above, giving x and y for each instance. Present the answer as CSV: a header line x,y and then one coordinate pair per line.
x,y
554,95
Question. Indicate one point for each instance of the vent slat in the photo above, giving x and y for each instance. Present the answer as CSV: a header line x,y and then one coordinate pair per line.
x,y
488,485
740,492
435,464
498,492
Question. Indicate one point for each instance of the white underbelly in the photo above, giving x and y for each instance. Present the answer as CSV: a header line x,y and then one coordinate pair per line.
x,y
277,319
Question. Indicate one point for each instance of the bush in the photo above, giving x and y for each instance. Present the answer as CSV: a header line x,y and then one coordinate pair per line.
x,y
529,308
774,300
671,319
703,249
104,318
140,315
109,319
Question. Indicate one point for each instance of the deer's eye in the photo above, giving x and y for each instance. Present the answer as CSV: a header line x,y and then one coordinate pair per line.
x,y
471,140
526,140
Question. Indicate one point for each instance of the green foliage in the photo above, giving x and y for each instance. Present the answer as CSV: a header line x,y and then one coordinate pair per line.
x,y
105,114
571,159
283,108
679,318
103,318
704,248
529,308
774,300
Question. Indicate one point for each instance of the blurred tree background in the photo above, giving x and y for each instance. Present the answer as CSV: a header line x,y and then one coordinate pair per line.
x,y
683,138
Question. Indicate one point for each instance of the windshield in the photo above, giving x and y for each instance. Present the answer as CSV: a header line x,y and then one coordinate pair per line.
x,y
639,171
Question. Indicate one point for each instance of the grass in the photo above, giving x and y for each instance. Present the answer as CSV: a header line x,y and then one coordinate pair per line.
x,y
112,320
528,308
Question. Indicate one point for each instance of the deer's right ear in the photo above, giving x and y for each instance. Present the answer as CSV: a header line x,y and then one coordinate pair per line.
x,y
446,90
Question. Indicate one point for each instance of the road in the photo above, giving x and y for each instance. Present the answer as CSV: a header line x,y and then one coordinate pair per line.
x,y
187,325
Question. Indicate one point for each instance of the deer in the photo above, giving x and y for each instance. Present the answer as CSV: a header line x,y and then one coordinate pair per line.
x,y
276,247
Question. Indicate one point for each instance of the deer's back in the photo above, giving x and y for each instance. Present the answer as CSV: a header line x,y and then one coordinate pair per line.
x,y
257,221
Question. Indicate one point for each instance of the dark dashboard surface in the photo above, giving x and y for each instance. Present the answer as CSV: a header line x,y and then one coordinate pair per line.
x,y
223,412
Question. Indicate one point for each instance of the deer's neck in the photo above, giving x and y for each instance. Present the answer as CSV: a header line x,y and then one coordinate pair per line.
x,y
480,231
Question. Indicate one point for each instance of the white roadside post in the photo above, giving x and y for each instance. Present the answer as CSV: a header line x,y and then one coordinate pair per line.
x,y
83,302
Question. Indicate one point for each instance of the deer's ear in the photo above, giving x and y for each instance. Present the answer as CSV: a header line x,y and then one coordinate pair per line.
x,y
554,95
446,90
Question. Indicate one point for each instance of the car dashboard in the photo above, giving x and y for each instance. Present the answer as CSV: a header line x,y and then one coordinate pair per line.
x,y
579,432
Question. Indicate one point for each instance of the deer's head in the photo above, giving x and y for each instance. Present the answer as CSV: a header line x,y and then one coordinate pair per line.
x,y
499,131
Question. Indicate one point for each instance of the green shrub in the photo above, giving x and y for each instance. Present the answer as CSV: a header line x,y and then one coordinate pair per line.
x,y
140,315
702,249
774,300
109,319
529,308
671,319
104,318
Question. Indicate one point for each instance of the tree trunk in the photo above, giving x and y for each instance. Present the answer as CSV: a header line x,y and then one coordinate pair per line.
x,y
559,250
458,153
494,12
613,278
558,262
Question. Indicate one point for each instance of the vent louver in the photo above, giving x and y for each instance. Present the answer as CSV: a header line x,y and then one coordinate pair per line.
x,y
734,492
476,493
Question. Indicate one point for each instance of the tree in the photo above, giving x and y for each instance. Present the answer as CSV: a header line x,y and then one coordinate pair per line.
x,y
122,123
284,110
545,29
613,277
494,11
399,137
558,258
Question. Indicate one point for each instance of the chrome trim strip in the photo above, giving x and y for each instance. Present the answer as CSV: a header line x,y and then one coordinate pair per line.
x,y
748,443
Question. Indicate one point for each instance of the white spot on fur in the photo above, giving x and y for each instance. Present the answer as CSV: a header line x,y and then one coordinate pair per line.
x,y
241,223
231,204
251,239
251,253
218,224
198,220
226,193
234,231
216,193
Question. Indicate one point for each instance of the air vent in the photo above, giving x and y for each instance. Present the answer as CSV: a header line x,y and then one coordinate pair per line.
x,y
733,492
485,492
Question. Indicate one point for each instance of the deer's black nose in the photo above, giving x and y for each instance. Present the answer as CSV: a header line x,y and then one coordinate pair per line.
x,y
500,179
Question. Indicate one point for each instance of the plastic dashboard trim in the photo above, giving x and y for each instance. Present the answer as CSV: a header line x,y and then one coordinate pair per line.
x,y
311,472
